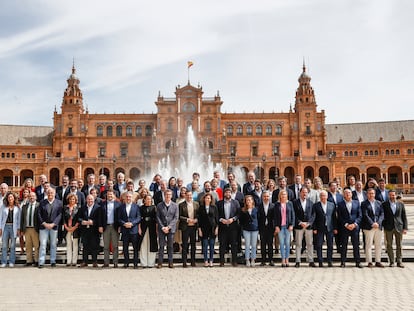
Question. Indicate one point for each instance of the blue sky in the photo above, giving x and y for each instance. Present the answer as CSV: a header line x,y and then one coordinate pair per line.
x,y
358,53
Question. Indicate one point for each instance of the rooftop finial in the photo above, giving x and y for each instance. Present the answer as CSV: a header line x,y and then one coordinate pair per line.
x,y
304,67
73,65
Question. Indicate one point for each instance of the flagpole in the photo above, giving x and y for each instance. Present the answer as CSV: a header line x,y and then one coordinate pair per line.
x,y
188,74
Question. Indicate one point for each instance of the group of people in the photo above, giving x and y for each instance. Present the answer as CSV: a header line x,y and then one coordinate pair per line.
x,y
171,215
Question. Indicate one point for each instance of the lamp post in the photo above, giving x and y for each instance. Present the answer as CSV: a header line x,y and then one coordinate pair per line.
x,y
263,160
276,154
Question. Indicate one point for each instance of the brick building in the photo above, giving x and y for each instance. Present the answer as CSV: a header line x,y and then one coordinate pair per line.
x,y
272,144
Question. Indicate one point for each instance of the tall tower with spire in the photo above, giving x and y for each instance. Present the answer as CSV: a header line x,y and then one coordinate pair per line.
x,y
70,125
308,126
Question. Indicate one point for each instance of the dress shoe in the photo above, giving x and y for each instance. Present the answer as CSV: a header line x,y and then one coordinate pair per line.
x,y
83,264
159,266
193,264
221,264
272,263
28,264
358,265
53,265
95,265
135,267
170,265
40,266
68,265
379,265
330,264
105,265
400,265
370,265
297,265
263,263
391,265
184,265
320,265
234,264
125,266
342,265
115,265
312,264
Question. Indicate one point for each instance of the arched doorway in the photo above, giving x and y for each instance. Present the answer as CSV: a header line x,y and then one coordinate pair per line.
x,y
273,174
70,172
373,172
395,175
289,174
308,172
412,175
244,170
352,171
6,176
86,172
324,174
25,174
54,177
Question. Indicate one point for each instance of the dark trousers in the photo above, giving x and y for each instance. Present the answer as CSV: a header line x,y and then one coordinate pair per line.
x,y
126,239
228,235
329,243
90,241
354,234
165,239
189,234
266,243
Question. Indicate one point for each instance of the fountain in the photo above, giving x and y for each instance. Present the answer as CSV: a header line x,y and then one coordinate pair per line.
x,y
193,160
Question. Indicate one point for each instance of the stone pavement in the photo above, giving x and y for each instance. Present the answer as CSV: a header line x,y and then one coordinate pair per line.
x,y
227,288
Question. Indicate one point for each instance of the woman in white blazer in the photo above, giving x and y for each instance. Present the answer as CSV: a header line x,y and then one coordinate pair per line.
x,y
9,227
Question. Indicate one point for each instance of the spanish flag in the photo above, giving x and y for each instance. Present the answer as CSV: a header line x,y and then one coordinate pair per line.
x,y
189,64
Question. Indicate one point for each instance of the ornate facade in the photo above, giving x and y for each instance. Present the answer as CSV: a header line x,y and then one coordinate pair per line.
x,y
272,144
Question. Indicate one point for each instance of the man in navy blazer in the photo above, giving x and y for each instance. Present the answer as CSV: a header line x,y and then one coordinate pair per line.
x,y
89,219
395,224
129,220
324,225
304,218
167,217
372,218
381,193
349,221
49,215
282,182
228,211
266,215
109,225
359,193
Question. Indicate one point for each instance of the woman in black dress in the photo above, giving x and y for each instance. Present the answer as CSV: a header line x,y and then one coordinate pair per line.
x,y
149,245
208,227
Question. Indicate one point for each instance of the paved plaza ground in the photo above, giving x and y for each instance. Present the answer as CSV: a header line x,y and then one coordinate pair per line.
x,y
217,288
228,288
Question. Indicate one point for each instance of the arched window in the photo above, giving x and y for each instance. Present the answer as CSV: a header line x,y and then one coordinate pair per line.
x,y
397,151
371,153
109,131
409,151
366,152
387,152
239,130
259,130
278,130
99,130
119,130
268,130
230,130
148,130
138,131
249,130
355,153
129,130
351,154
376,152
392,151
346,153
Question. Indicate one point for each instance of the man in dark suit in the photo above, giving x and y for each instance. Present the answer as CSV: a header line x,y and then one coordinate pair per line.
x,y
167,217
29,227
324,225
359,193
61,190
304,218
372,218
381,193
159,196
86,189
282,182
228,211
129,219
349,221
120,185
40,190
296,186
231,177
395,224
49,215
188,211
109,225
336,197
73,188
89,219
266,215
257,192
249,185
